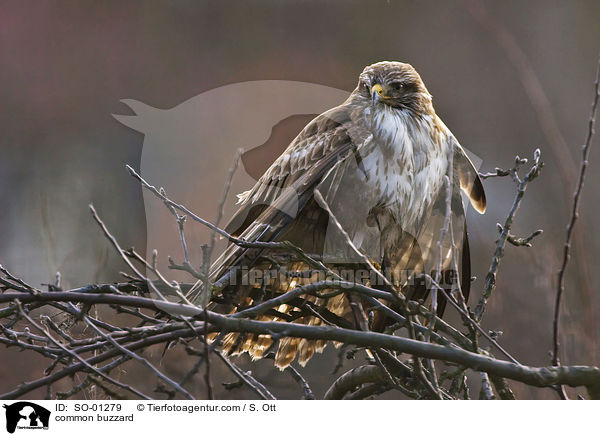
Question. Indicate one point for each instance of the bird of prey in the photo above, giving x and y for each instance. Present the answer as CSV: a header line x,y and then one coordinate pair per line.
x,y
390,174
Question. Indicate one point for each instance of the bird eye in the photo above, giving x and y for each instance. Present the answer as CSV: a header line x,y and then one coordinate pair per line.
x,y
397,86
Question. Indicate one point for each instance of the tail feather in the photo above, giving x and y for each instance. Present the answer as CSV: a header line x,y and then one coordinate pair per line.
x,y
306,350
288,348
260,346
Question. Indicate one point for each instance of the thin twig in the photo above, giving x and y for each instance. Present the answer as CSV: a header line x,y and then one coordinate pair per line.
x,y
139,359
486,392
115,244
79,358
308,394
247,378
490,279
276,245
476,325
19,284
574,214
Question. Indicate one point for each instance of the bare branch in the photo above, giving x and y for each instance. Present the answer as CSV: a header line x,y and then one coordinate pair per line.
x,y
247,378
490,280
83,361
139,359
353,378
574,215
308,394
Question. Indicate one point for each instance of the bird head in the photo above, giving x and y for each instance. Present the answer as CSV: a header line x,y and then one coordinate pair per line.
x,y
395,84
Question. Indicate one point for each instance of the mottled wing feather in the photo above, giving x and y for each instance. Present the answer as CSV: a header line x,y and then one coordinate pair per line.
x,y
283,195
323,137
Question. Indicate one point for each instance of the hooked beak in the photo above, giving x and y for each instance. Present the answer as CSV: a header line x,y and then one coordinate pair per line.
x,y
376,93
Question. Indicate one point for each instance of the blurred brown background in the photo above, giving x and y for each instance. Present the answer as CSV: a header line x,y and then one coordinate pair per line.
x,y
506,77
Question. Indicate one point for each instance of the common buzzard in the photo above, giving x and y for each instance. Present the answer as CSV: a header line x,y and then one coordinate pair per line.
x,y
380,161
